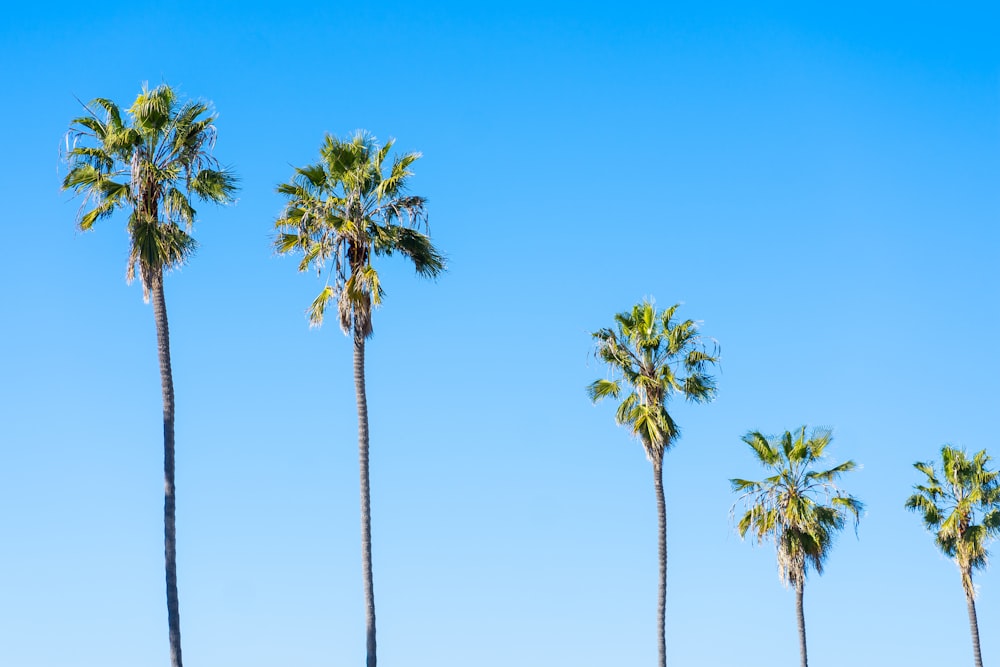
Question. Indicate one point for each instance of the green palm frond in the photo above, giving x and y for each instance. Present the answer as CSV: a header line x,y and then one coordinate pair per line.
x,y
93,156
318,306
415,246
314,175
176,206
287,242
392,185
84,176
797,508
765,451
601,389
112,197
123,142
152,109
110,109
216,186
832,474
88,126
624,415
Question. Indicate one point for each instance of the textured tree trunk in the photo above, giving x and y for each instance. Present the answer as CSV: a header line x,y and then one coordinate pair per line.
x,y
366,514
800,585
169,501
970,601
661,610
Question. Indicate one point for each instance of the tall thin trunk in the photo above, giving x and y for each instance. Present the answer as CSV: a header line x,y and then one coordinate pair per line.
x,y
661,610
800,585
169,500
366,514
970,601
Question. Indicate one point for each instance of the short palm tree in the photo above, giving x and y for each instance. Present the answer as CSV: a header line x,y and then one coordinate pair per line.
x,y
152,163
652,358
798,508
962,508
340,213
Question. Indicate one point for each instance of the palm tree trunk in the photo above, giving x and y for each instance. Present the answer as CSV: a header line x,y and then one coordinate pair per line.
x,y
970,601
366,514
169,501
661,610
800,585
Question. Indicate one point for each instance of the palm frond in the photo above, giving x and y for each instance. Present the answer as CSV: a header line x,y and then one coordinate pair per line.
x,y
598,390
152,109
217,186
318,306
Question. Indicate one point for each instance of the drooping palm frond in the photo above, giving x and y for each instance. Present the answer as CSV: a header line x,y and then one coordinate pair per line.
x,y
653,359
797,508
346,209
150,161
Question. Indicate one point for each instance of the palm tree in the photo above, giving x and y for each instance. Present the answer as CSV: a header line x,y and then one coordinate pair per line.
x,y
341,212
152,164
962,508
653,357
788,507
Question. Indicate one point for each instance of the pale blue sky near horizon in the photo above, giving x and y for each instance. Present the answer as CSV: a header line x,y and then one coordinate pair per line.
x,y
817,186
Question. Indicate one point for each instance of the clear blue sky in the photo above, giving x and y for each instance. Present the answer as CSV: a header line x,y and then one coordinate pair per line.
x,y
818,187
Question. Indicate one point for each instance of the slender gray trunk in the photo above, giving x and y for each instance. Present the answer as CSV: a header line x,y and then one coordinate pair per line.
x,y
169,501
366,514
970,601
661,610
800,585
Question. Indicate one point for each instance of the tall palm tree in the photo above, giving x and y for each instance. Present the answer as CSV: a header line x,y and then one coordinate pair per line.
x,y
798,508
340,213
652,358
152,164
962,508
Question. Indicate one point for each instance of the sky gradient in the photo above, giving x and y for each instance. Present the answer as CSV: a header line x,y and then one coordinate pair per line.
x,y
819,188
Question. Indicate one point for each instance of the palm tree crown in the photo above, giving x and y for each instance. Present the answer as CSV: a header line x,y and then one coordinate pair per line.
x,y
961,506
788,506
343,210
655,358
151,163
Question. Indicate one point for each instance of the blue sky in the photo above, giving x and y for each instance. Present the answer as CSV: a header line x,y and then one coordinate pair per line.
x,y
818,187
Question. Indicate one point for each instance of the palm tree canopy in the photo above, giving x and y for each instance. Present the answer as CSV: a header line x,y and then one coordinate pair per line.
x,y
652,357
799,508
343,210
152,162
960,505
